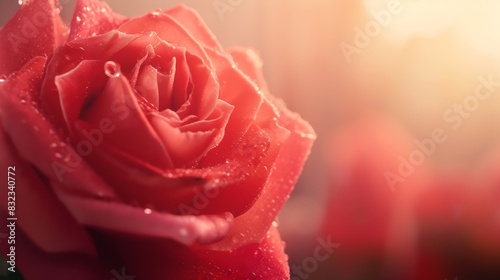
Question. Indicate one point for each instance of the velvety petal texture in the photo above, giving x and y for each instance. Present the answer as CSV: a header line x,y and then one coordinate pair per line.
x,y
35,30
145,144
158,260
93,18
56,231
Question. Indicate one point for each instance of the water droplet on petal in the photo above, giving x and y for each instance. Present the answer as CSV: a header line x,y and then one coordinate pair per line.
x,y
147,211
112,69
156,12
58,155
78,19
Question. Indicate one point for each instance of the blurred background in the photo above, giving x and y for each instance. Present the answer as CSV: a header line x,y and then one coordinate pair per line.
x,y
404,96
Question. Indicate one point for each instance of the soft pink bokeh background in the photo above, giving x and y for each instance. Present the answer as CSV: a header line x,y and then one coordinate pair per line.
x,y
426,60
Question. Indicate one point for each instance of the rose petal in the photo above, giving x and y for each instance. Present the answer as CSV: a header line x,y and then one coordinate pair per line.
x,y
55,231
159,260
218,118
134,73
140,183
266,260
35,30
70,55
92,18
123,218
77,86
118,105
183,147
251,225
249,165
147,85
168,29
49,153
166,86
187,143
205,88
192,21
179,72
282,179
250,63
246,98
35,264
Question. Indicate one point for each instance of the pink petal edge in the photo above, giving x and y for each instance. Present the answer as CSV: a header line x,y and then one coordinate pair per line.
x,y
123,218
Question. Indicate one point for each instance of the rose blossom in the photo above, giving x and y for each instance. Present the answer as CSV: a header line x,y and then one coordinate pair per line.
x,y
142,144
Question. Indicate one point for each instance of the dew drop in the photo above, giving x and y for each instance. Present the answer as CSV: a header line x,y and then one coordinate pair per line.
x,y
156,12
2,80
147,211
112,69
78,19
58,155
20,2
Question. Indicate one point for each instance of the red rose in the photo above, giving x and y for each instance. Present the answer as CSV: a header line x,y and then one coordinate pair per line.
x,y
141,146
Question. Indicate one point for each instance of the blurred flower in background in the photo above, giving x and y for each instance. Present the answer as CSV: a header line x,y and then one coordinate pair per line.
x,y
403,182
